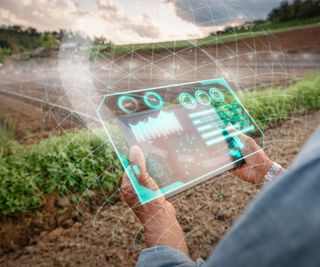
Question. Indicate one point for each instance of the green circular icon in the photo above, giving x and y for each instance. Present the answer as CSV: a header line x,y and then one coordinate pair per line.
x,y
151,97
202,97
187,100
125,101
216,95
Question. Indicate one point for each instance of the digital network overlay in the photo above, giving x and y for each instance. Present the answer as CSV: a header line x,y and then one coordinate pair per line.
x,y
188,132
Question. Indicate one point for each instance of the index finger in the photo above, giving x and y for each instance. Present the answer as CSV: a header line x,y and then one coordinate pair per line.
x,y
249,144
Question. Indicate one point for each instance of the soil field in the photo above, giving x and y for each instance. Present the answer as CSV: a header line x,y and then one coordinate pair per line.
x,y
112,236
273,60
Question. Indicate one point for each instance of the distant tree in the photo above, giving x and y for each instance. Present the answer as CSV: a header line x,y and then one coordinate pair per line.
x,y
32,32
100,41
47,39
60,35
15,28
299,9
19,39
286,11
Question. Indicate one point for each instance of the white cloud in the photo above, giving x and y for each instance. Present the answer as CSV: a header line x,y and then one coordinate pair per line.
x,y
26,2
7,17
110,18
221,12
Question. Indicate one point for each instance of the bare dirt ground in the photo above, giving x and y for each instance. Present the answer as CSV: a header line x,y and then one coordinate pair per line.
x,y
31,122
112,235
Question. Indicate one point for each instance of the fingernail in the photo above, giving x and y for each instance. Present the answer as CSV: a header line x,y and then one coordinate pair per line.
x,y
134,153
134,150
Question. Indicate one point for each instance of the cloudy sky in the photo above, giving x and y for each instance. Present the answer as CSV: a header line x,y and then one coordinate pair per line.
x,y
134,21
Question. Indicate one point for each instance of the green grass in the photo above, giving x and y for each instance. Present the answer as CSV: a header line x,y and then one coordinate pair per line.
x,y
261,29
80,162
292,24
273,105
75,163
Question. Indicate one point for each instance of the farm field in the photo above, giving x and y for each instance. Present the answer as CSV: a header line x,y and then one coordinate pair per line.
x,y
113,234
81,220
262,30
33,97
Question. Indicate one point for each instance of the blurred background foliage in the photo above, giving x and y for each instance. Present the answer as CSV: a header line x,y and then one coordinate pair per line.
x,y
20,40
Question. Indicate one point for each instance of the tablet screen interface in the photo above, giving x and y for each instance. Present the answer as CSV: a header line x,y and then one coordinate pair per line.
x,y
184,131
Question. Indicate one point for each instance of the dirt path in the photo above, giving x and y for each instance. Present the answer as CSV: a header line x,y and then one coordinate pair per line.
x,y
113,237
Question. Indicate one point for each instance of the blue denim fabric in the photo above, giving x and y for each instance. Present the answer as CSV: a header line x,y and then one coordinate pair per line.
x,y
280,228
164,256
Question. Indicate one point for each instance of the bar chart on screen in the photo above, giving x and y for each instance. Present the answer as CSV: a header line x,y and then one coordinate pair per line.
x,y
165,124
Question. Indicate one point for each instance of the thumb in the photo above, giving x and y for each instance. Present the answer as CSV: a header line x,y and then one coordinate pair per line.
x,y
138,164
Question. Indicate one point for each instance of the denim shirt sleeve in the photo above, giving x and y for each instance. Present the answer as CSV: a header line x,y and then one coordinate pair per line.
x,y
280,228
163,256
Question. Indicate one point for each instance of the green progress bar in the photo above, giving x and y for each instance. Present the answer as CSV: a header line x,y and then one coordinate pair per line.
x,y
216,123
206,127
229,105
222,138
204,120
202,113
213,133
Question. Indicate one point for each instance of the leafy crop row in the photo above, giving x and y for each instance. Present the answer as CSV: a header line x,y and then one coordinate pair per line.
x,y
273,105
79,160
75,162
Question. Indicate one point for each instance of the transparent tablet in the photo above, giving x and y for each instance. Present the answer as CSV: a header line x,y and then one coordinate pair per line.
x,y
183,130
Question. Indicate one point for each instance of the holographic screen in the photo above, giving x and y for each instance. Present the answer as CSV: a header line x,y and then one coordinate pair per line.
x,y
184,131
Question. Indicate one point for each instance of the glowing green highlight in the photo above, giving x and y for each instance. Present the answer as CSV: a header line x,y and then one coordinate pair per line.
x,y
202,113
146,100
136,169
221,139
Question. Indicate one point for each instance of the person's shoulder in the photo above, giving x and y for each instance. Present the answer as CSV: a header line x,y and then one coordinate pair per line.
x,y
310,151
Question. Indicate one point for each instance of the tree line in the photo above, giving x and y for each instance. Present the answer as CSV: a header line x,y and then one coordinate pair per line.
x,y
18,39
298,9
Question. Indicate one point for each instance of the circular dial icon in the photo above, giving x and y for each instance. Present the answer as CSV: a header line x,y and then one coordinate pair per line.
x,y
187,100
153,100
127,103
216,94
202,97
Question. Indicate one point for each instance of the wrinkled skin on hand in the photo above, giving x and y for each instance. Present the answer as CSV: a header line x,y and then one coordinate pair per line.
x,y
157,217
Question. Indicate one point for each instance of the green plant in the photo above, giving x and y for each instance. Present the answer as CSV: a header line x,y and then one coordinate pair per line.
x,y
4,52
18,183
73,162
80,162
268,106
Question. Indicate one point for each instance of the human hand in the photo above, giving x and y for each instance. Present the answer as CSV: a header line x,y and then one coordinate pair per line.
x,y
257,165
158,217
